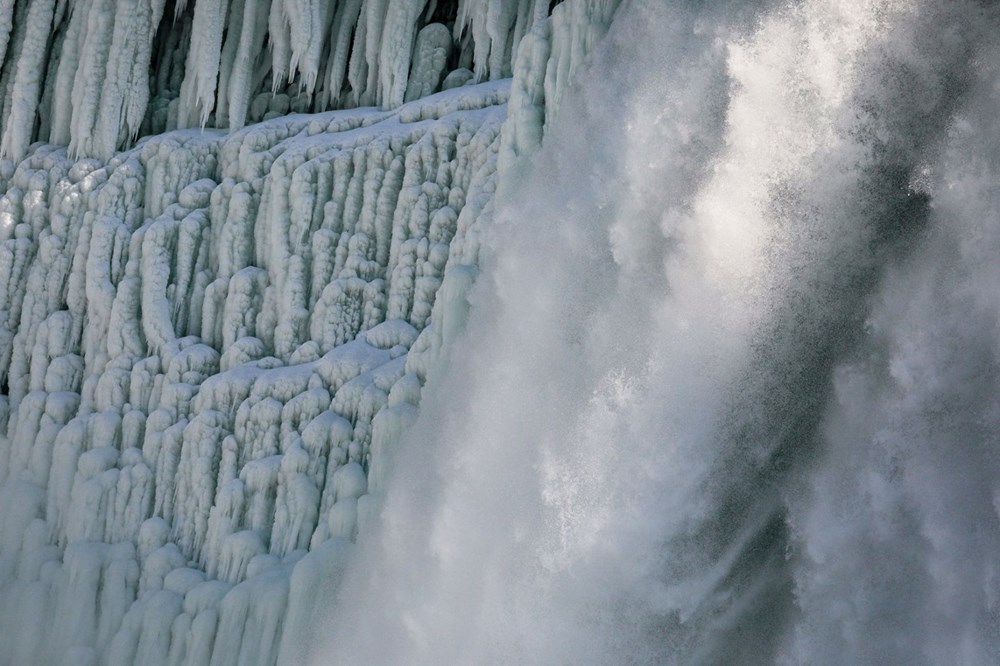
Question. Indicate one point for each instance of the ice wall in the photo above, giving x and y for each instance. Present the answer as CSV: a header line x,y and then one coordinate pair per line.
x,y
210,341
201,333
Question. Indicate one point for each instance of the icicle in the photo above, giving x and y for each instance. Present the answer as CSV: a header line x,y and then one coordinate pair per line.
x,y
90,76
27,90
375,23
251,39
123,98
281,50
397,49
227,59
6,26
307,27
343,25
197,98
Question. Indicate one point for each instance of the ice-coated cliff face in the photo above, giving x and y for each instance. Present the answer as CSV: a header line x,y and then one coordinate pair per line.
x,y
210,341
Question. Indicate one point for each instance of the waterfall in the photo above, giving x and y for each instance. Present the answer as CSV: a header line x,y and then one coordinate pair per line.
x,y
386,332
728,388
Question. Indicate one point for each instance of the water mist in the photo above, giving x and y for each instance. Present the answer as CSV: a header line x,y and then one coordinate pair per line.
x,y
727,393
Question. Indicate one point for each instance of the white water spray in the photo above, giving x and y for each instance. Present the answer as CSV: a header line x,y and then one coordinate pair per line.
x,y
728,391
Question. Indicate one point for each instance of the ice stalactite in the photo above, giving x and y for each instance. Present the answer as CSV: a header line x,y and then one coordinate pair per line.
x,y
26,91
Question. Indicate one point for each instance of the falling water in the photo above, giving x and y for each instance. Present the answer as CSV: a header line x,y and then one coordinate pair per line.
x,y
729,388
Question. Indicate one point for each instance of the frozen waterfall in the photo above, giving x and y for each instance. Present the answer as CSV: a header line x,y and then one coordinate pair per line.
x,y
484,332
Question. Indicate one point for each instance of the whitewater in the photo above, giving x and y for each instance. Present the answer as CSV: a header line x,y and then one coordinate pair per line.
x,y
729,387
500,333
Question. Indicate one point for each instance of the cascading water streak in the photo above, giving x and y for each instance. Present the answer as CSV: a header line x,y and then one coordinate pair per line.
x,y
728,390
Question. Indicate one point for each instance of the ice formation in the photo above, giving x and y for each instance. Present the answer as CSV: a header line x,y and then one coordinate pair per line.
x,y
210,340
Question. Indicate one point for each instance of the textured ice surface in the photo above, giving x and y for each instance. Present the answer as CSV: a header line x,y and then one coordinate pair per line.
x,y
198,336
211,340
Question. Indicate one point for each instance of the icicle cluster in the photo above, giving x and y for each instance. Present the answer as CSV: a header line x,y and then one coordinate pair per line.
x,y
209,342
96,74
